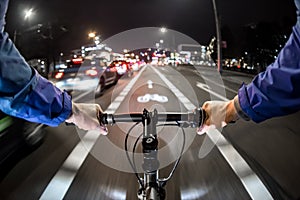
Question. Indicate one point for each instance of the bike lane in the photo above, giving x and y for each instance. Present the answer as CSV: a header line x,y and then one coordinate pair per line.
x,y
195,177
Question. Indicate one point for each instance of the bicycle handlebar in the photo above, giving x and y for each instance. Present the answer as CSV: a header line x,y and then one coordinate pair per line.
x,y
194,119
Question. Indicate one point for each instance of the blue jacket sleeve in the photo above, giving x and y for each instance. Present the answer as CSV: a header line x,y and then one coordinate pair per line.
x,y
23,92
276,92
38,101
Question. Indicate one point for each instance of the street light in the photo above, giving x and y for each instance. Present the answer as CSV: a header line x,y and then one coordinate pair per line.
x,y
28,13
92,34
163,29
95,37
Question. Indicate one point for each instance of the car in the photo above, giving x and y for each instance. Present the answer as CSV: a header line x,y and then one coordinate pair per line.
x,y
18,138
93,74
123,67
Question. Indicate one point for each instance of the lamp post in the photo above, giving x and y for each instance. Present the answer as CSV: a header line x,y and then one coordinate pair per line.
x,y
171,43
161,42
218,30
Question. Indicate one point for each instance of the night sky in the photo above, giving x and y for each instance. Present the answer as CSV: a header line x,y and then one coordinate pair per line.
x,y
192,17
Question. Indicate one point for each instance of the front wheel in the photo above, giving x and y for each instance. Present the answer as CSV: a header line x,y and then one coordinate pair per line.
x,y
100,87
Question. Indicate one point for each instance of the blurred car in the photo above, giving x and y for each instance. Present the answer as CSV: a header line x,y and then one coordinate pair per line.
x,y
135,66
93,74
123,67
18,138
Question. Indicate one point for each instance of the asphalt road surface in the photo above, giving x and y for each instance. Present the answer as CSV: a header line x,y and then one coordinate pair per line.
x,y
243,161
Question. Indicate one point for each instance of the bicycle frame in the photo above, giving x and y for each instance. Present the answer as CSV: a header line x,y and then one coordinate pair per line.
x,y
151,187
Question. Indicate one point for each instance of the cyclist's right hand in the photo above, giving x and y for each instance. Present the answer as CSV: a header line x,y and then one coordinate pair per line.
x,y
85,116
218,114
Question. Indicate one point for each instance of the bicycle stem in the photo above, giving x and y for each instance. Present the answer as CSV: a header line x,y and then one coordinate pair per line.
x,y
152,188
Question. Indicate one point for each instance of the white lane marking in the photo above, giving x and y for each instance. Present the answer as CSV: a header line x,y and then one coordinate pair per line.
x,y
207,89
251,182
60,183
62,180
150,84
82,95
189,105
36,129
223,86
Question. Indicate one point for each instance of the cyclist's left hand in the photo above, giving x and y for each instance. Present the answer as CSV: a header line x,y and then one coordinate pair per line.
x,y
84,116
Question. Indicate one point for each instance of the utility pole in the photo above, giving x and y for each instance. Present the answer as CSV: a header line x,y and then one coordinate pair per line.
x,y
219,40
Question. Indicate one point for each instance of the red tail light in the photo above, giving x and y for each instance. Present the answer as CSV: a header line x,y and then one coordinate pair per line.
x,y
59,75
77,60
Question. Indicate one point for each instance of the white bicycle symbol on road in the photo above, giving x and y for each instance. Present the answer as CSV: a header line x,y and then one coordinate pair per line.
x,y
152,97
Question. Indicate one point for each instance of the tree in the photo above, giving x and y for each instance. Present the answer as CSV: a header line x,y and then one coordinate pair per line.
x,y
41,41
262,42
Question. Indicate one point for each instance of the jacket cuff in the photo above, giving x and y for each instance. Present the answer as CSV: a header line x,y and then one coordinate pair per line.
x,y
239,110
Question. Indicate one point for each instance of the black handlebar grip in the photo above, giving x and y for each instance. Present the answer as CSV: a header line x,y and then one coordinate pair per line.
x,y
102,118
202,116
69,124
